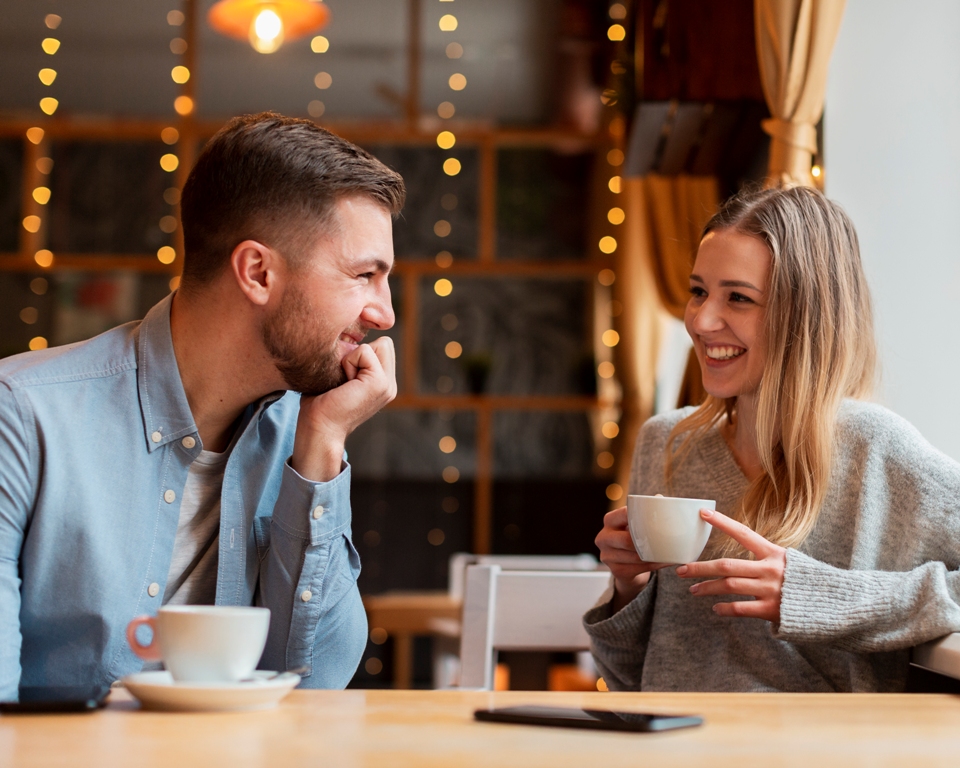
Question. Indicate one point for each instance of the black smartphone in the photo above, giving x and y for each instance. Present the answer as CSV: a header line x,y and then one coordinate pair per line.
x,y
57,698
601,719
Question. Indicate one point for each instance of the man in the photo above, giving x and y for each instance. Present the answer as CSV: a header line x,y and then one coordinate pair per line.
x,y
163,462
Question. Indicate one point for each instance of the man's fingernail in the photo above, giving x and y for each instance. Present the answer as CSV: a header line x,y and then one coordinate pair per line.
x,y
681,570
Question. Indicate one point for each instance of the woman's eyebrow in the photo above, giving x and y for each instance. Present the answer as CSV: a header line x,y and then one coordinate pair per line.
x,y
739,284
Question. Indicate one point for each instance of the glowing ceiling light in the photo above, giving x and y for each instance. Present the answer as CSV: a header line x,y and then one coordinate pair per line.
x,y
267,24
266,31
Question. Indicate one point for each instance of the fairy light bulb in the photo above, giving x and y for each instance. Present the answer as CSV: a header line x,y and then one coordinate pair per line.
x,y
266,31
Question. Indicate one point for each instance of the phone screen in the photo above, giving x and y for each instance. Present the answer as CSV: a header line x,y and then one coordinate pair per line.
x,y
57,698
603,719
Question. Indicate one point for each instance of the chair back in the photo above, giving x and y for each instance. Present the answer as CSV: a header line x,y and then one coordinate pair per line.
x,y
460,560
522,611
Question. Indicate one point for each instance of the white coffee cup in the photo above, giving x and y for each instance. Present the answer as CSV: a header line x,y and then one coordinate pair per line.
x,y
204,643
667,529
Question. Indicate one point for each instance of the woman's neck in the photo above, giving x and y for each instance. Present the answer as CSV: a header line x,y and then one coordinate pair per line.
x,y
741,437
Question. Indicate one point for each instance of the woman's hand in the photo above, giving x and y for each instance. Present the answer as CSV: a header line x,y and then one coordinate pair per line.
x,y
630,573
761,579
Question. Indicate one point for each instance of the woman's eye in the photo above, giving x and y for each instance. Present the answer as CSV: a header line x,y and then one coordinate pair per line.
x,y
696,290
740,298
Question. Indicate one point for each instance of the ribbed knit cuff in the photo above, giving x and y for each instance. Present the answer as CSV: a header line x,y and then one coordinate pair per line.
x,y
820,602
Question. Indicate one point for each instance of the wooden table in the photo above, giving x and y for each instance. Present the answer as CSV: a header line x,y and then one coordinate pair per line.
x,y
404,615
394,729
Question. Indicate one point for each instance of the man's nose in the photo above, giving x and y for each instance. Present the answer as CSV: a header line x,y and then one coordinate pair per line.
x,y
379,312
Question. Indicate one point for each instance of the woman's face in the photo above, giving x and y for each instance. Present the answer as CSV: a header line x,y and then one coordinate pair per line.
x,y
724,316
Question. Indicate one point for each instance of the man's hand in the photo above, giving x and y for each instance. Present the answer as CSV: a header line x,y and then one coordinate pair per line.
x,y
326,420
761,579
630,573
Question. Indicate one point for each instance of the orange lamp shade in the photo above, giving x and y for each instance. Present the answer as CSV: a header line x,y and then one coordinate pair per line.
x,y
267,23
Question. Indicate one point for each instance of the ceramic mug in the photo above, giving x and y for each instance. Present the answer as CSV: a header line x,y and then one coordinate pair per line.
x,y
667,529
204,643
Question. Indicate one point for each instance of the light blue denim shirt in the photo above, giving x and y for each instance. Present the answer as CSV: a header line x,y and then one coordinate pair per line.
x,y
93,463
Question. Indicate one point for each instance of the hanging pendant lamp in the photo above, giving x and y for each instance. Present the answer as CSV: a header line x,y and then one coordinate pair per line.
x,y
267,23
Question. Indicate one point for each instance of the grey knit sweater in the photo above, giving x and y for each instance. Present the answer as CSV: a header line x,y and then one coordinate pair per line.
x,y
877,575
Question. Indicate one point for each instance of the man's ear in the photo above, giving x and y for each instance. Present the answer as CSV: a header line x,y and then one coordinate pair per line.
x,y
256,268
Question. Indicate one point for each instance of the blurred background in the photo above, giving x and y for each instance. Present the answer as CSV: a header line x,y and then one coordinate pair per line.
x,y
560,157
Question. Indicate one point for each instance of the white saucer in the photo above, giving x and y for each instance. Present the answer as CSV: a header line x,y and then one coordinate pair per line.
x,y
158,691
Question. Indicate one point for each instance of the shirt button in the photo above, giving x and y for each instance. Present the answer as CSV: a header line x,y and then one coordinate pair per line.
x,y
318,512
156,437
188,442
153,590
306,595
169,496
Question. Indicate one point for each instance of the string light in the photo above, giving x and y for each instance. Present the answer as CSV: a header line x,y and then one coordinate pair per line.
x,y
183,105
610,338
610,429
322,80
606,369
616,215
443,287
614,492
448,444
44,258
607,277
608,244
614,185
616,33
615,157
453,349
451,474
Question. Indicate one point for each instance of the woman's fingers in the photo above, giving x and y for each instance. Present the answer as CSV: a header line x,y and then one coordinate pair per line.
x,y
746,537
750,609
733,586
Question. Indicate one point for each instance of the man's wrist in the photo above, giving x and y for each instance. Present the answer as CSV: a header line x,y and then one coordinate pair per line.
x,y
319,463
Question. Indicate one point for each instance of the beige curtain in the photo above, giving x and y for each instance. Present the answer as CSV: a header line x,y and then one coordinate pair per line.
x,y
794,41
665,215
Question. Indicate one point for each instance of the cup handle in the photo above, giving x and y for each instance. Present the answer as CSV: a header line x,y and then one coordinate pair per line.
x,y
147,652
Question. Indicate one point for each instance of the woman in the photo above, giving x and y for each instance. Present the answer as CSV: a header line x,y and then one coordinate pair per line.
x,y
836,542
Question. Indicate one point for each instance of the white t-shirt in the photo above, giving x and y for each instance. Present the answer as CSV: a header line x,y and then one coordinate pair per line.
x,y
192,579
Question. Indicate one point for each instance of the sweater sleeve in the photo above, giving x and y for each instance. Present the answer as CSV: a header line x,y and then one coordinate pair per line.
x,y
619,640
867,611
885,574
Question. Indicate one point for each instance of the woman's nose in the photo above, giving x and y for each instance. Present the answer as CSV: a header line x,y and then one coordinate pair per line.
x,y
707,317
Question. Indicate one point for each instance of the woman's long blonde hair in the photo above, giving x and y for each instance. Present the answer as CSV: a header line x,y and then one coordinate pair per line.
x,y
818,329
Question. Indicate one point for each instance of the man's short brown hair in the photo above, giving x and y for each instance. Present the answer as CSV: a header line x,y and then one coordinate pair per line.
x,y
275,180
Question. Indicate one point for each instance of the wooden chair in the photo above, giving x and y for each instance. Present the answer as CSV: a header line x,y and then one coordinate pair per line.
x,y
522,611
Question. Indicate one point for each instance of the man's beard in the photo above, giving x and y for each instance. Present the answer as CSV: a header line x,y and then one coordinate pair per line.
x,y
295,337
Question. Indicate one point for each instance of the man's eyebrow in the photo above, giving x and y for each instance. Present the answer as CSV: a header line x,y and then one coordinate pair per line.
x,y
729,283
375,265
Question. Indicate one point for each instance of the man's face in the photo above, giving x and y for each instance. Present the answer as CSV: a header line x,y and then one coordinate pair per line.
x,y
336,293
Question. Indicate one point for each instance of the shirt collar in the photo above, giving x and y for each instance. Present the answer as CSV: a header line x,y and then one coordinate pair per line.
x,y
163,403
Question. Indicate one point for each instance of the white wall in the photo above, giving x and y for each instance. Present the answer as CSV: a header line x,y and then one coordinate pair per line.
x,y
892,158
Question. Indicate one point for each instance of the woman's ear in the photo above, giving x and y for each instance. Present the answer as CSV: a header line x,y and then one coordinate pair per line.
x,y
255,267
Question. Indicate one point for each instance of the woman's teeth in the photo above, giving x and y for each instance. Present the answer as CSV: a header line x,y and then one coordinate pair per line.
x,y
724,353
